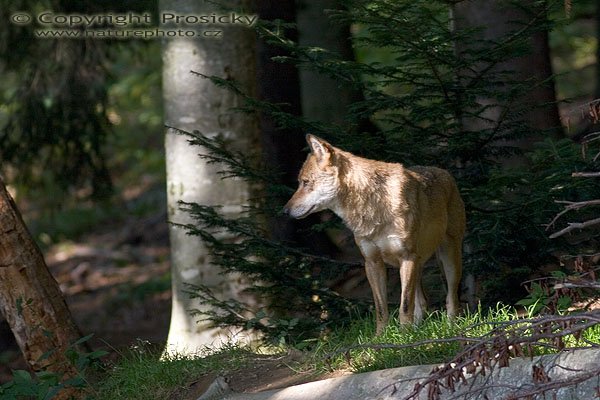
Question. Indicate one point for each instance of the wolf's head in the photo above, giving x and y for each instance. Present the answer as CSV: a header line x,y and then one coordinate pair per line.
x,y
318,180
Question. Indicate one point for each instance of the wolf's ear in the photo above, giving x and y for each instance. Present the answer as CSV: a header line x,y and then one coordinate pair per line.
x,y
320,148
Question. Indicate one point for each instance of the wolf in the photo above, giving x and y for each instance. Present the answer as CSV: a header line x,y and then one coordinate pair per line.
x,y
399,216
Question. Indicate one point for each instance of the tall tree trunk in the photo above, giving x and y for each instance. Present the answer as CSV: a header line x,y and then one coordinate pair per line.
x,y
30,298
496,19
597,20
279,83
193,103
323,98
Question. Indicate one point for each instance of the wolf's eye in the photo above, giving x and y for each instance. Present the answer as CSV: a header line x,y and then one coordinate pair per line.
x,y
305,182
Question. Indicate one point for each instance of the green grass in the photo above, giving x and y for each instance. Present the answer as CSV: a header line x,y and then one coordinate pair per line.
x,y
141,375
340,349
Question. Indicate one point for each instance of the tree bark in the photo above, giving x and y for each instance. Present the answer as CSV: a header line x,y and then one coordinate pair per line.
x,y
597,20
496,19
323,98
279,83
31,300
193,103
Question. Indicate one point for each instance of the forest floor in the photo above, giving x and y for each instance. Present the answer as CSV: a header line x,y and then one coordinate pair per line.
x,y
116,281
264,372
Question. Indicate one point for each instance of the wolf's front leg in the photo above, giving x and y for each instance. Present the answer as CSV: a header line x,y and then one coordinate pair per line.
x,y
377,276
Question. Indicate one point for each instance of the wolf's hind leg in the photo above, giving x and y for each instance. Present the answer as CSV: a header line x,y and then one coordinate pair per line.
x,y
420,302
450,254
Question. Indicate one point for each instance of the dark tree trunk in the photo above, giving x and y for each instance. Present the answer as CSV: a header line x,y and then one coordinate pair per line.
x,y
323,98
597,91
279,83
283,147
496,19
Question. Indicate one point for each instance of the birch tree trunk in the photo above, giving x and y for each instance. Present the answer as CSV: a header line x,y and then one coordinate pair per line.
x,y
31,300
193,103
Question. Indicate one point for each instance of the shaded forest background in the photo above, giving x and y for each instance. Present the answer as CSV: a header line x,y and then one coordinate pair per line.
x,y
100,214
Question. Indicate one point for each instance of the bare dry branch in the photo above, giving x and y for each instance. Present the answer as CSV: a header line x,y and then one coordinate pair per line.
x,y
572,206
528,393
582,285
590,137
585,174
512,339
575,225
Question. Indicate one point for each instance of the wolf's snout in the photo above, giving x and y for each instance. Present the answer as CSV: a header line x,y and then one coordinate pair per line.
x,y
286,210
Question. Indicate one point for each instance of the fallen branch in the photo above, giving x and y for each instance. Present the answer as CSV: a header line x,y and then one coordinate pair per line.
x,y
582,285
563,370
585,174
512,339
528,391
572,206
575,225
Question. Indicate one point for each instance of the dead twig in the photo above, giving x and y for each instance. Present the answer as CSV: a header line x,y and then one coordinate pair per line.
x,y
585,174
513,339
571,206
575,225
582,285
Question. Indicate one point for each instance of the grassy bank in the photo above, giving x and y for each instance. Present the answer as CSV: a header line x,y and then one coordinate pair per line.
x,y
140,373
